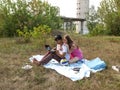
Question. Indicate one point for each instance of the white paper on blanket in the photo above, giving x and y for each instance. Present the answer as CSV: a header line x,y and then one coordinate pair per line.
x,y
68,70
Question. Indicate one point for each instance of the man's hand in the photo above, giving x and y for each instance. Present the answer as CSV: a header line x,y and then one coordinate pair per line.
x,y
57,52
60,55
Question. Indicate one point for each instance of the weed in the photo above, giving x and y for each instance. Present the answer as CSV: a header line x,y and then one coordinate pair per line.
x,y
14,55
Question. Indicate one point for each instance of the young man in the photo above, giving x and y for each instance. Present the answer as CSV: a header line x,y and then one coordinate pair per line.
x,y
61,52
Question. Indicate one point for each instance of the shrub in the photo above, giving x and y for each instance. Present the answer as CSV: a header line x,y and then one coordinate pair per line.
x,y
15,14
99,30
41,31
24,35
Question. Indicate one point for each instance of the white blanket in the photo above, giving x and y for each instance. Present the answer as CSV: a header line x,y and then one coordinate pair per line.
x,y
68,70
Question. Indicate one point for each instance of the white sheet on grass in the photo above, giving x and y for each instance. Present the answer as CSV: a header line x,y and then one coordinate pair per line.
x,y
68,70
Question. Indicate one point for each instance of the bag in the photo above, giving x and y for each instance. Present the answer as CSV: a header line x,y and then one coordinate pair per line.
x,y
96,64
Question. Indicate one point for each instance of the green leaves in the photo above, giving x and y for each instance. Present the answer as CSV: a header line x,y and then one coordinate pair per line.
x,y
37,33
109,12
25,34
19,13
41,31
106,20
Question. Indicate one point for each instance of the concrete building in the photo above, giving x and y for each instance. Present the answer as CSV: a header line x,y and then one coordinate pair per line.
x,y
70,23
82,10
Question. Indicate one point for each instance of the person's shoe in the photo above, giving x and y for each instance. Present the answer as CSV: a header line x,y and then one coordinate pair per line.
x,y
116,68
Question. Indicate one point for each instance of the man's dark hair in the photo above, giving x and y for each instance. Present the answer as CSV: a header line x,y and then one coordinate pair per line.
x,y
58,37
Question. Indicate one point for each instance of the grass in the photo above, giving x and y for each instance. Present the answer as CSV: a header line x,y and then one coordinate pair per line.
x,y
13,56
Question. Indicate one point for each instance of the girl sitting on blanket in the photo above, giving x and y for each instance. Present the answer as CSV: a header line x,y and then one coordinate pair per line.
x,y
75,52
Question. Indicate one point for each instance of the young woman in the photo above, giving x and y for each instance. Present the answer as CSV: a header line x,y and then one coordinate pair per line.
x,y
75,52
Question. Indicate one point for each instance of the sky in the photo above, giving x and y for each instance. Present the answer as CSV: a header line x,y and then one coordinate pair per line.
x,y
68,7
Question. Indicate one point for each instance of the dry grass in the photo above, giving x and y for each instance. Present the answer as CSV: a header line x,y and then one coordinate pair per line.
x,y
13,56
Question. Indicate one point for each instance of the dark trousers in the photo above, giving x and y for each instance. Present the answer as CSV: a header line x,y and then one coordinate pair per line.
x,y
48,57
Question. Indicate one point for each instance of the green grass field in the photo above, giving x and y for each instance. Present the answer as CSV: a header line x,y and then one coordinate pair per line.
x,y
13,56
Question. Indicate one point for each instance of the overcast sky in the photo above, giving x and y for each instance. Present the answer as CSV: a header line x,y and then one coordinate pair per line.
x,y
68,7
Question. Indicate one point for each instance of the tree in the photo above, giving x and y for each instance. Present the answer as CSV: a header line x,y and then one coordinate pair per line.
x,y
109,12
92,18
16,14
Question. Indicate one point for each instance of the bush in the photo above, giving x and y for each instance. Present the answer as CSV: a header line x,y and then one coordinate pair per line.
x,y
39,32
16,14
25,35
99,30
